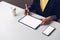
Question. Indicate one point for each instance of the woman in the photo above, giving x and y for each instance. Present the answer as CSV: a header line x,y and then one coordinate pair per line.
x,y
50,11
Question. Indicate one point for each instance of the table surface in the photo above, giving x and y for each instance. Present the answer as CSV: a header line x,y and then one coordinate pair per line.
x,y
11,29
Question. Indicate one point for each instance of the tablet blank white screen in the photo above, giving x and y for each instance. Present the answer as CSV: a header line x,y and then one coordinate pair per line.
x,y
31,21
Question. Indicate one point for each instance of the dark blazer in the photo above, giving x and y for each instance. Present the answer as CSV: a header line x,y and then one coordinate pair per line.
x,y
52,8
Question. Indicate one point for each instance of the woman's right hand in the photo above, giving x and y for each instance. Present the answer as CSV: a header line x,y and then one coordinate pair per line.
x,y
26,12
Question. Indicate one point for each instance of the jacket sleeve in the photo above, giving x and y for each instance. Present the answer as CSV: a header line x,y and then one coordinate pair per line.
x,y
58,9
32,6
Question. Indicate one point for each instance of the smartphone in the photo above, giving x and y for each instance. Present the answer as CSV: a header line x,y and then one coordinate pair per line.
x,y
49,31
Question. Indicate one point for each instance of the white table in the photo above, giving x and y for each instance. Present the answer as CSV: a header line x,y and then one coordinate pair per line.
x,y
11,29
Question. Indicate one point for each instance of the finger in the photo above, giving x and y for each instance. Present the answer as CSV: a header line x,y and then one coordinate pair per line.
x,y
24,13
41,19
46,23
42,23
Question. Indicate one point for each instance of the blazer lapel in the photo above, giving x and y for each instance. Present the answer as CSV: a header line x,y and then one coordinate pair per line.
x,y
49,4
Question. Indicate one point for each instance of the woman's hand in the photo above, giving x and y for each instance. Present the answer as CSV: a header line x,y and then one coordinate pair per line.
x,y
58,21
47,20
26,12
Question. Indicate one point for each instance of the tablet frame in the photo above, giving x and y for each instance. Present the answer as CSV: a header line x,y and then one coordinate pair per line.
x,y
28,25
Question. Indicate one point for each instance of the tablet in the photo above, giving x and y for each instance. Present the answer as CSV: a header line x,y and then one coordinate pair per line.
x,y
30,21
